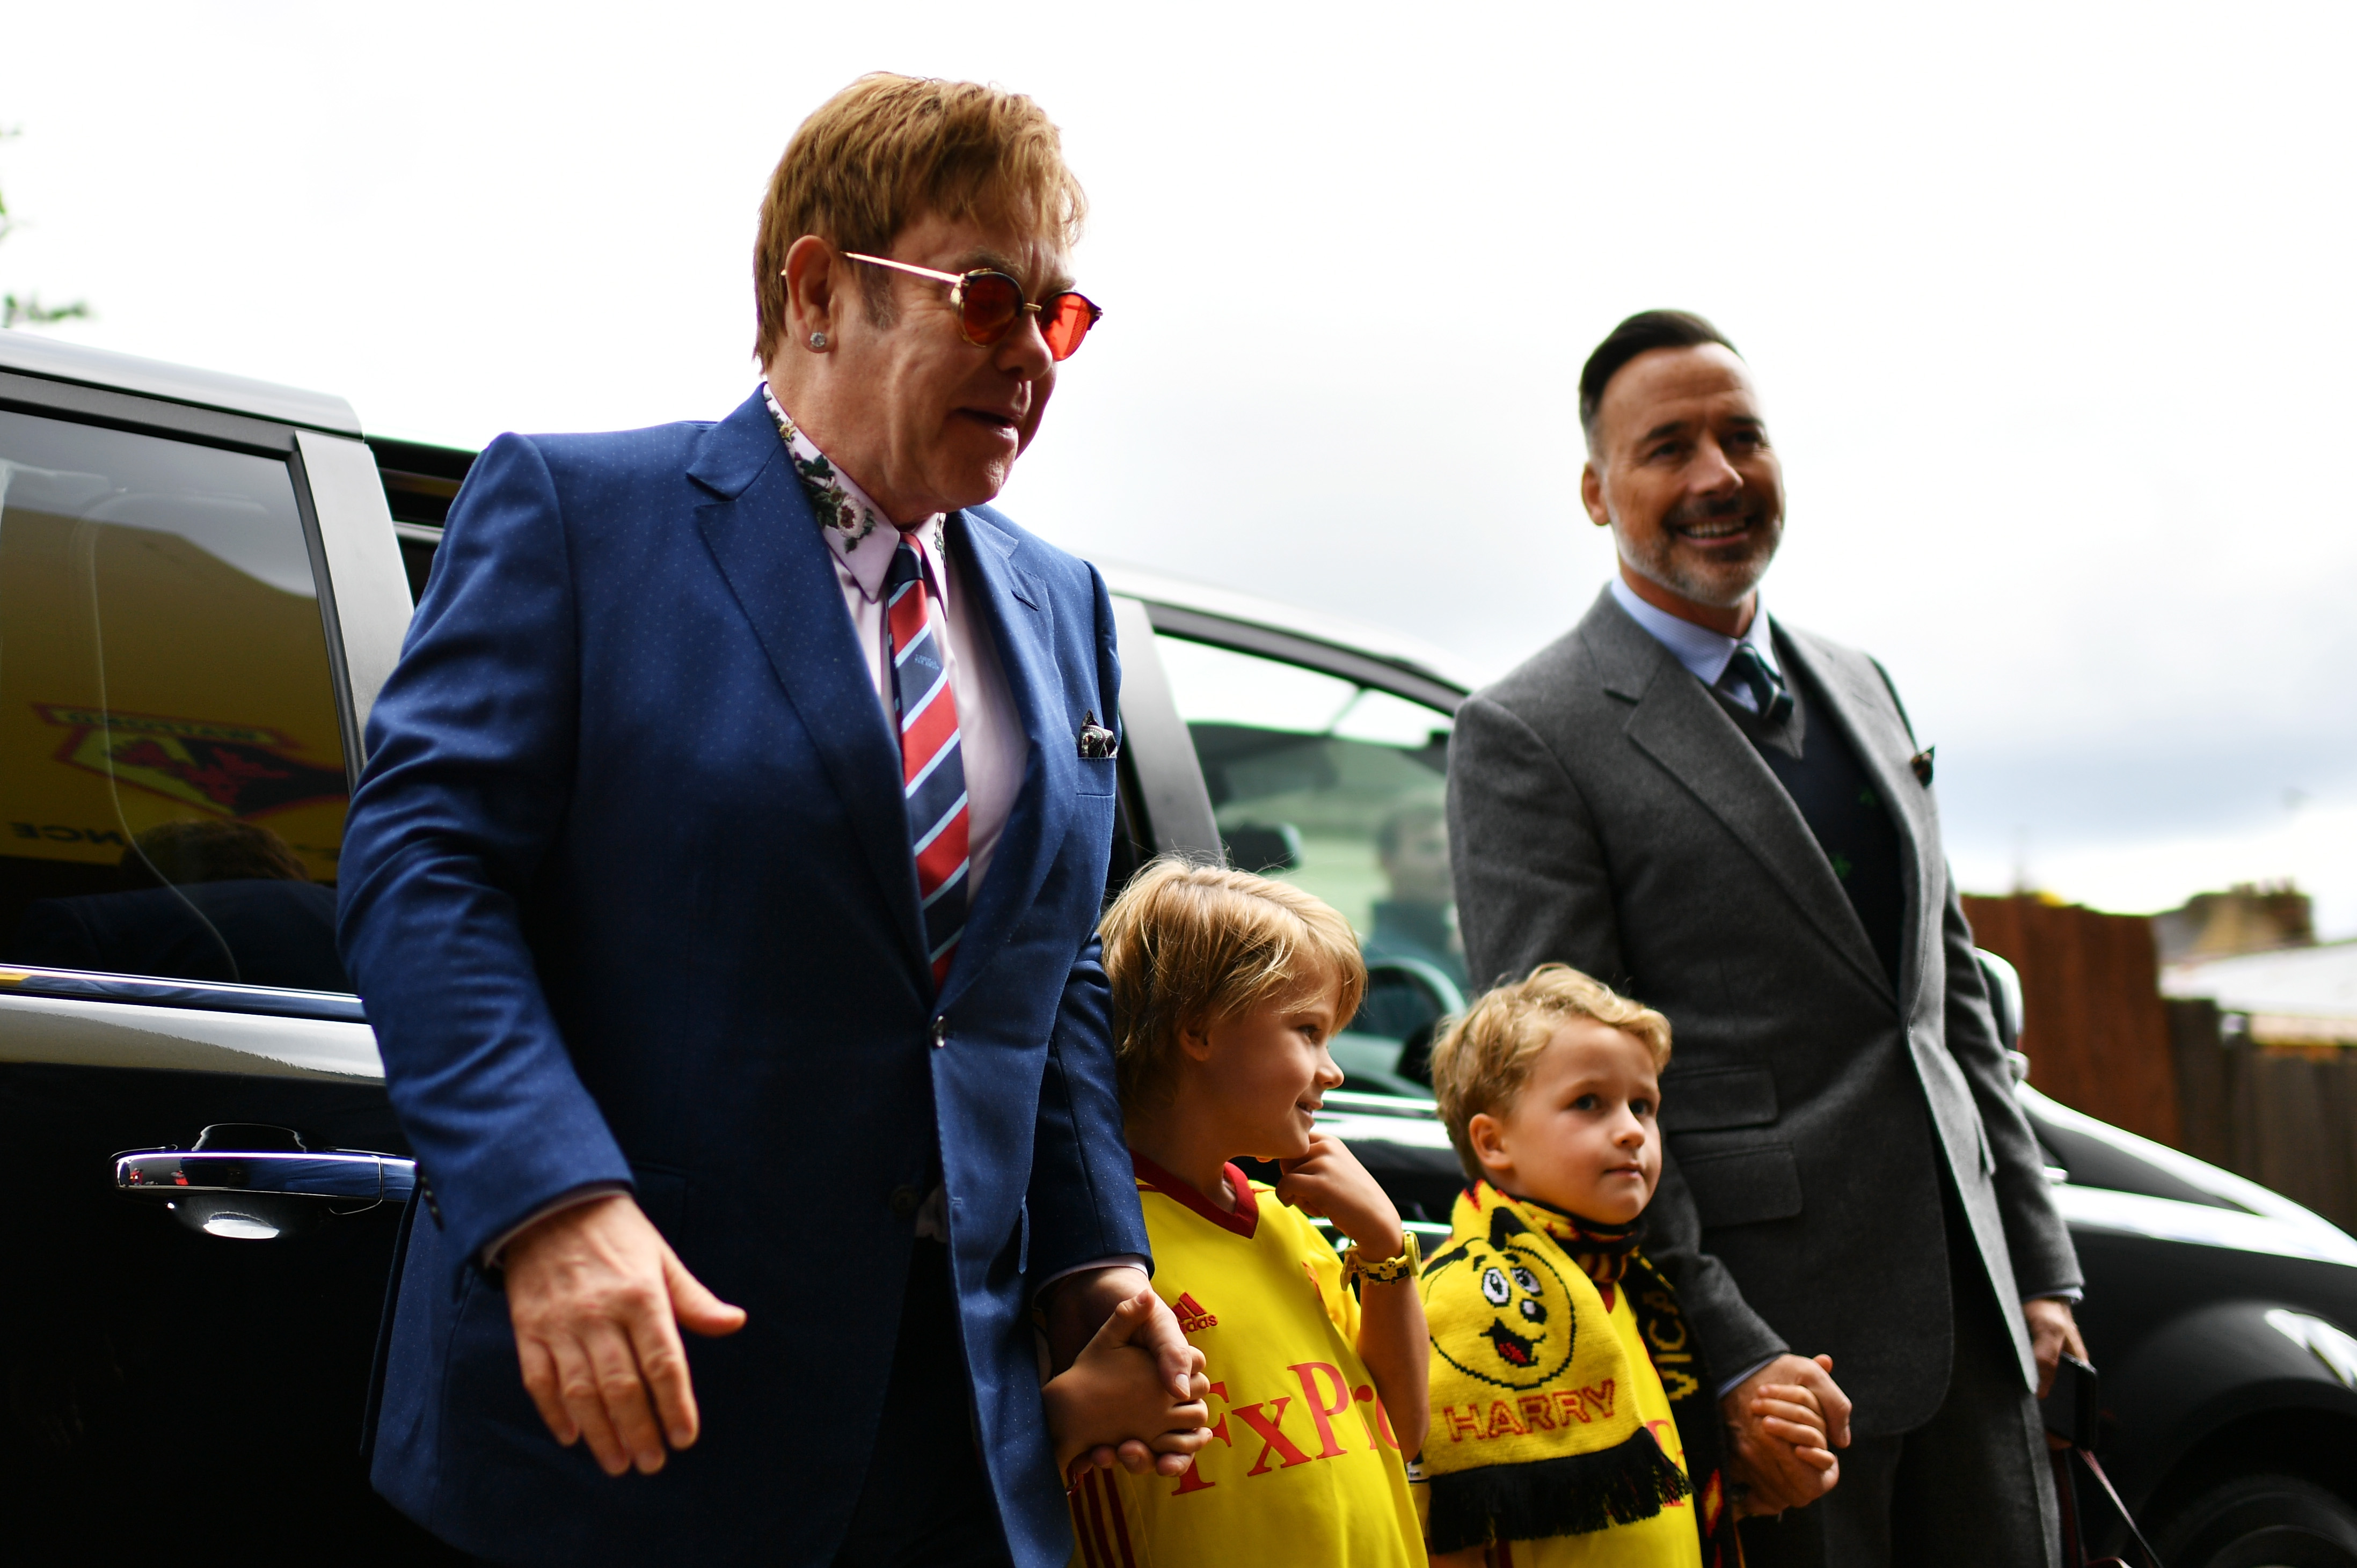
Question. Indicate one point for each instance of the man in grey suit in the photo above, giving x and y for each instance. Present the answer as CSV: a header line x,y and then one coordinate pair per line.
x,y
1729,819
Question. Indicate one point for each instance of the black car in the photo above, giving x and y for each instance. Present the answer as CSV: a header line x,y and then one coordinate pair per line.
x,y
203,582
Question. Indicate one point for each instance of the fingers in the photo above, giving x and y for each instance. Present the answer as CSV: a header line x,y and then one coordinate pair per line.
x,y
1772,1411
1796,1434
540,1380
1187,1433
585,1405
614,1363
1121,1325
1179,1362
696,1308
663,1361
1833,1403
1787,1393
2045,1349
592,1292
1136,1457
1801,1480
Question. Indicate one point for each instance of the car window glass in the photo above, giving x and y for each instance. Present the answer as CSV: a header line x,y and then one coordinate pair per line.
x,y
172,785
1338,789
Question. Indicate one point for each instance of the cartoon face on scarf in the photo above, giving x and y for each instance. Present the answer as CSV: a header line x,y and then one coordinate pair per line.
x,y
1525,1340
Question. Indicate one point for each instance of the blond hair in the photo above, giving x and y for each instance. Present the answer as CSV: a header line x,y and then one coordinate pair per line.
x,y
1484,1058
1187,946
888,149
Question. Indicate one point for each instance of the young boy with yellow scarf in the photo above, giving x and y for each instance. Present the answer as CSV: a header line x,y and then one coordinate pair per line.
x,y
1573,1420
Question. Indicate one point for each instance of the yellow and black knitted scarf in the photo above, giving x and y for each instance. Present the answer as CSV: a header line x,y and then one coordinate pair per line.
x,y
1536,1431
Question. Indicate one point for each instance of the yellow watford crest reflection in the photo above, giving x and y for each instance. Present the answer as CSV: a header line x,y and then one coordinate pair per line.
x,y
233,770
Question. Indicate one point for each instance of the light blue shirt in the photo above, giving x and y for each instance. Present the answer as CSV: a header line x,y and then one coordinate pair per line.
x,y
1699,649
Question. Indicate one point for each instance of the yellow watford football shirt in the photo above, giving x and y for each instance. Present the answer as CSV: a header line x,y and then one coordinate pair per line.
x,y
1302,1467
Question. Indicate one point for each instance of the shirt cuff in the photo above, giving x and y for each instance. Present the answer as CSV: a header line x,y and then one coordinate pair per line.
x,y
1118,1260
1735,1382
2071,1295
578,1196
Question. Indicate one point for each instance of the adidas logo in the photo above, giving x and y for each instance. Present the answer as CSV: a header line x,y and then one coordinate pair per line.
x,y
1192,1318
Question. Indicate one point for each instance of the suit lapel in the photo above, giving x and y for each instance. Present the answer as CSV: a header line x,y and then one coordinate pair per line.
x,y
1016,607
1680,726
762,532
1867,716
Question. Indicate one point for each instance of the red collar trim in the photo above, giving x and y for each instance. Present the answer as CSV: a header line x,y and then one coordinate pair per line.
x,y
1244,1222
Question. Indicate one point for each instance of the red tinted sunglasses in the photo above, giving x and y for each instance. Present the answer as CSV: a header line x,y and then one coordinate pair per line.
x,y
989,304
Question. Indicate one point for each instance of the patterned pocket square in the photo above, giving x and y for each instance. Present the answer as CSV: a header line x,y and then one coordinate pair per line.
x,y
1921,763
1096,741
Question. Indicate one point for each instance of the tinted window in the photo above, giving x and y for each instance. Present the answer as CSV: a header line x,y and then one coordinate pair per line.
x,y
172,785
1337,788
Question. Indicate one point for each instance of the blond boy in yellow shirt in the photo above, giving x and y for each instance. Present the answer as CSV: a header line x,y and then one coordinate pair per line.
x,y
1226,988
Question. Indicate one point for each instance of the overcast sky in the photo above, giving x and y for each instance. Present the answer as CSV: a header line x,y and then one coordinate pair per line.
x,y
2051,307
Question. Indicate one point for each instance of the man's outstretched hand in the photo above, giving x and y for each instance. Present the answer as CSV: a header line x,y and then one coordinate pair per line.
x,y
1775,1447
1078,1307
597,1299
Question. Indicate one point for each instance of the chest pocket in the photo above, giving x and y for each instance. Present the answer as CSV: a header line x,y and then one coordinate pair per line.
x,y
1097,776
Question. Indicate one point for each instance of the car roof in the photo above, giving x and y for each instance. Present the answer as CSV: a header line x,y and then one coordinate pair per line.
x,y
30,354
1410,654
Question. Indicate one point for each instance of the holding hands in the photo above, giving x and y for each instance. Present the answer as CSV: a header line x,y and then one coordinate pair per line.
x,y
1115,1390
1782,1424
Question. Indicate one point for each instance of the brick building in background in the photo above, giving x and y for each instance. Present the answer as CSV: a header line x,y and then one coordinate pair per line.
x,y
2248,917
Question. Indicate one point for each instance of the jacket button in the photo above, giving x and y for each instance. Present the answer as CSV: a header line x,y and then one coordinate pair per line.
x,y
905,1200
941,1032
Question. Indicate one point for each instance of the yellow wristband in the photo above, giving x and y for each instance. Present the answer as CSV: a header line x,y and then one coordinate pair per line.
x,y
1355,1265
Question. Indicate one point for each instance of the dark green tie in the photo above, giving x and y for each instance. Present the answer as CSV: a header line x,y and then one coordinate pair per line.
x,y
1747,671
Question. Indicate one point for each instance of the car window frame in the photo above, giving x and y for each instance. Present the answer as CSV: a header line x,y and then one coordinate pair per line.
x,y
338,538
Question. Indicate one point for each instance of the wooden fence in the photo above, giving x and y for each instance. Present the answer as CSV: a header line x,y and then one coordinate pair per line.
x,y
2284,1116
2093,1026
2101,1038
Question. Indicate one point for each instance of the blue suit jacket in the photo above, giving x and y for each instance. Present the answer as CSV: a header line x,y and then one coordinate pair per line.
x,y
627,887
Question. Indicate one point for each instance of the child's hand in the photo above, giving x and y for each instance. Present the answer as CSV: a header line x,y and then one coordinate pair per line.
x,y
1330,1183
1113,1395
1791,1414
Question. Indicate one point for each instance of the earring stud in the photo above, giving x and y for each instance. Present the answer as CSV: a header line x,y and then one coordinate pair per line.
x,y
818,340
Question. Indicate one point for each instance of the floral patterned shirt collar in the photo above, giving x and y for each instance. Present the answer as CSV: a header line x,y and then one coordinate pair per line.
x,y
855,528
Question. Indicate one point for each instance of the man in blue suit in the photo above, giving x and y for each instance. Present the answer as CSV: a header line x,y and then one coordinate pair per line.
x,y
722,888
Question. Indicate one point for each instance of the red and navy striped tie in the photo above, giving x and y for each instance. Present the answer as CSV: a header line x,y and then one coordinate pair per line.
x,y
933,767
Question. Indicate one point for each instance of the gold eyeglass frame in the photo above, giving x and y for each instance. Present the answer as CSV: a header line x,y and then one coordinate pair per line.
x,y
957,281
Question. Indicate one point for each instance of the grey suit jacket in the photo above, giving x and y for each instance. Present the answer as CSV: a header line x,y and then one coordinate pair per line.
x,y
1606,813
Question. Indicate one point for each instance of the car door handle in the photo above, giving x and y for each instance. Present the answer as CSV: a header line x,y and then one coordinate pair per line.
x,y
255,1183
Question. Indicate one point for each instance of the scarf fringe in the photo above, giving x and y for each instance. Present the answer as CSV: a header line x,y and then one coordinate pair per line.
x,y
1576,1494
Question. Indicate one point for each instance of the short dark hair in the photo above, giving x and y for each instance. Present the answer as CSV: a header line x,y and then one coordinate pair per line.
x,y
1641,334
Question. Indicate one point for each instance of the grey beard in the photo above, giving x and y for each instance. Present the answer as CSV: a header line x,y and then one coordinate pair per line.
x,y
1719,591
